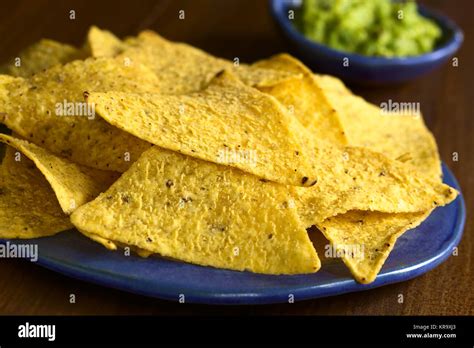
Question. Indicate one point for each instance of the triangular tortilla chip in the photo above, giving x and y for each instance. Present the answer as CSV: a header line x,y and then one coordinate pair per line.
x,y
228,122
49,110
202,213
399,136
74,185
182,68
304,99
102,43
39,56
376,232
365,239
28,205
359,179
371,192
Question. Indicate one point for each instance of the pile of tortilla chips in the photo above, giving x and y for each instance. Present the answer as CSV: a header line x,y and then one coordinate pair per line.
x,y
163,148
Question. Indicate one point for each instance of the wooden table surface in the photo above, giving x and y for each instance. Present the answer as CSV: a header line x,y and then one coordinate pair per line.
x,y
244,28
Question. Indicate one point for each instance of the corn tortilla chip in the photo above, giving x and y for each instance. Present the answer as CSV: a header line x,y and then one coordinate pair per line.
x,y
360,179
28,205
365,239
304,99
400,136
49,110
39,56
202,213
376,232
73,185
102,43
331,85
228,122
182,68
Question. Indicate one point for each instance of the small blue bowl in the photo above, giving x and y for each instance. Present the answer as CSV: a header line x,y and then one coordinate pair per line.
x,y
365,69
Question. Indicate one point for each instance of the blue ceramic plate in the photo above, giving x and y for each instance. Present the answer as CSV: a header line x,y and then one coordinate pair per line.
x,y
415,253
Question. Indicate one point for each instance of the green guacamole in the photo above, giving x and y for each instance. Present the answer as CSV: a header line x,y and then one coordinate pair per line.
x,y
368,27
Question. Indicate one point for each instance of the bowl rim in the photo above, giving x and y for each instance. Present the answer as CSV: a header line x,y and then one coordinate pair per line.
x,y
448,48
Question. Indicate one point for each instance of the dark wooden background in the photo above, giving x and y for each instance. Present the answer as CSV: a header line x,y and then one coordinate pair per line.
x,y
242,28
